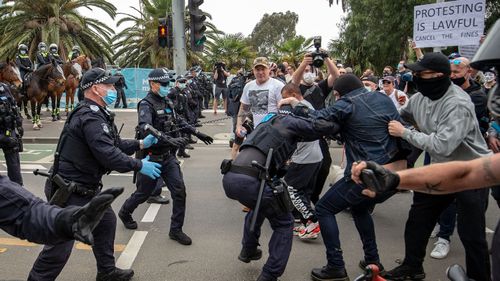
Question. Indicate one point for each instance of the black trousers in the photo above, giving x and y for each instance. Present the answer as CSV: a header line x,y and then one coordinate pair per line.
x,y
120,96
13,164
324,170
471,208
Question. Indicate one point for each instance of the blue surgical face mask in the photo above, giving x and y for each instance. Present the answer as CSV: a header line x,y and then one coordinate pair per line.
x,y
182,86
110,97
164,90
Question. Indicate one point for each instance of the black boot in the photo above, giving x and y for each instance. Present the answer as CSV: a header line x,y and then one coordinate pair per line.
x,y
263,277
158,200
183,154
116,275
180,237
405,272
247,255
363,264
188,146
327,273
127,219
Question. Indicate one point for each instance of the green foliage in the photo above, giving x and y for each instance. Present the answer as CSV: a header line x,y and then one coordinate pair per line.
x,y
54,21
273,30
231,49
293,50
492,13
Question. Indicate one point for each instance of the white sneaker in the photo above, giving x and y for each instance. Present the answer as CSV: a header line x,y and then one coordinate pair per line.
x,y
298,229
435,231
311,231
441,249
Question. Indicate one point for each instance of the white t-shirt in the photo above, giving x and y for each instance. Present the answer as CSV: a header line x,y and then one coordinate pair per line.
x,y
307,152
394,99
262,98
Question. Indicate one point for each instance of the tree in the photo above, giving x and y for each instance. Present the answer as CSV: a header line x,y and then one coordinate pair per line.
x,y
294,49
273,30
492,13
231,49
55,21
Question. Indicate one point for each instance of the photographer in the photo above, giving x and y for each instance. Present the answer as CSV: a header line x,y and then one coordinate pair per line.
x,y
220,77
316,94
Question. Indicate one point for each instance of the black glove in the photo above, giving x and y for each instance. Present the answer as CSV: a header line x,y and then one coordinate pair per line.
x,y
177,142
205,138
378,178
20,131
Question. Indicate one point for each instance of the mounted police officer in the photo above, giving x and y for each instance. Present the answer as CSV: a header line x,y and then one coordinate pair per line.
x,y
11,133
42,56
23,62
75,52
157,110
241,180
54,53
88,148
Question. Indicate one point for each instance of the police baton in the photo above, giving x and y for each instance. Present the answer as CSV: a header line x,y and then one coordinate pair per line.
x,y
264,175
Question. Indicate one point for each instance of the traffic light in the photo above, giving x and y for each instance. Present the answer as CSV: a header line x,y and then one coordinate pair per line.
x,y
197,24
165,32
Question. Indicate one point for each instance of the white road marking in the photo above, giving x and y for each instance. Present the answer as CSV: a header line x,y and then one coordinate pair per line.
x,y
489,231
128,255
48,159
151,213
31,167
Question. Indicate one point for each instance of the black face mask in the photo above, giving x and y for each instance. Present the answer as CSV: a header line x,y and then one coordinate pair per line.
x,y
386,73
433,88
458,81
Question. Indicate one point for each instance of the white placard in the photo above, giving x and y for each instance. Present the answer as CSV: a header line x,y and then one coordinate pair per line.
x,y
468,51
453,23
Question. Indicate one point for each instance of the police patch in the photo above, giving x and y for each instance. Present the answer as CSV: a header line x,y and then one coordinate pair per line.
x,y
142,113
94,108
105,128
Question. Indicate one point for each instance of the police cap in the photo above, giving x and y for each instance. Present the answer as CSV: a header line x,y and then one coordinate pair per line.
x,y
97,76
159,75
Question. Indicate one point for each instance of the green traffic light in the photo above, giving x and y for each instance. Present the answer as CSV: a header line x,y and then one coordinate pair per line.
x,y
200,41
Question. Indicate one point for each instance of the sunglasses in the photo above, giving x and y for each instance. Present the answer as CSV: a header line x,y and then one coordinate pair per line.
x,y
386,82
456,62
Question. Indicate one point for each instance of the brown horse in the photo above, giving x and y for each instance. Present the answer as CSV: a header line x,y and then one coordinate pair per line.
x,y
73,73
9,73
45,81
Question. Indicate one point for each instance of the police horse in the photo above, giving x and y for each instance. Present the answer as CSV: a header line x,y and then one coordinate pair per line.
x,y
73,72
43,82
9,73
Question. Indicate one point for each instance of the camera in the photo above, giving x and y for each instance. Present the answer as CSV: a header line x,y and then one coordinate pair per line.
x,y
318,56
220,65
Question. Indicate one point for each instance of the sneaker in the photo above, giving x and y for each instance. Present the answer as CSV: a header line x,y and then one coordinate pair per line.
x,y
327,273
435,231
127,220
405,272
441,249
298,229
311,231
180,237
363,264
116,275
247,255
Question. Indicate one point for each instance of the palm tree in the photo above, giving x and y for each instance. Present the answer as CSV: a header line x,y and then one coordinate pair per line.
x,y
294,49
55,21
138,44
231,49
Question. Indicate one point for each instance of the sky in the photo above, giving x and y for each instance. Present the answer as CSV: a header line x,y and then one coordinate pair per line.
x,y
234,16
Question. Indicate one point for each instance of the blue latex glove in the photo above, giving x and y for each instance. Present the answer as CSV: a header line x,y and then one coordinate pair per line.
x,y
149,140
150,169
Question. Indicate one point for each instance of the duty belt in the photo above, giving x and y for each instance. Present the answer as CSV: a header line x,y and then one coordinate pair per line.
x,y
86,190
245,170
158,157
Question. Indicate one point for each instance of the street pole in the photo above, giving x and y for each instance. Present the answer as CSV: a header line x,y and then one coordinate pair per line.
x,y
179,36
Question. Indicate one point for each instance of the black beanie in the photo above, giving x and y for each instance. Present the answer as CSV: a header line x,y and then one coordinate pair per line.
x,y
347,83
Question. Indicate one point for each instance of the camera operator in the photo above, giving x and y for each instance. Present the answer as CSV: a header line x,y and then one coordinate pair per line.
x,y
316,94
220,77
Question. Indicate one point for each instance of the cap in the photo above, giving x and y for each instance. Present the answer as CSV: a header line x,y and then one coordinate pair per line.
x,y
347,83
97,76
159,75
370,78
431,61
261,61
181,79
389,78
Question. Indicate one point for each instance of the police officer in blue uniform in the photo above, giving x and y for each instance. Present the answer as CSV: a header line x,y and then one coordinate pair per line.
x,y
157,110
42,55
88,148
241,182
11,132
26,216
24,62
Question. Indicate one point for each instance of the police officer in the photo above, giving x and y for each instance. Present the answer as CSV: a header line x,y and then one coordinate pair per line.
x,y
23,62
54,53
75,52
11,133
179,96
157,110
241,182
198,87
42,56
88,148
119,88
26,216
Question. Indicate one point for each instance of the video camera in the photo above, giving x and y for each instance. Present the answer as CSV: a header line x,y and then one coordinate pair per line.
x,y
318,55
220,65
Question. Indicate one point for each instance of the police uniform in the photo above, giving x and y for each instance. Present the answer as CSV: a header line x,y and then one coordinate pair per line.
x,y
241,182
159,112
180,99
89,147
24,63
42,58
11,131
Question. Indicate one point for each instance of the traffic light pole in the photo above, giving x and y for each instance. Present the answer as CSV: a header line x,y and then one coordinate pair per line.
x,y
179,36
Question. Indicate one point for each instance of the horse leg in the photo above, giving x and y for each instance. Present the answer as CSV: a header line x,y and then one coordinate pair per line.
x,y
58,110
67,100
25,105
35,117
38,109
53,99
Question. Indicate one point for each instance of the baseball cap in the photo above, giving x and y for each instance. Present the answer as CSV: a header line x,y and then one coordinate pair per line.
x,y
261,61
370,78
97,76
389,78
159,75
431,61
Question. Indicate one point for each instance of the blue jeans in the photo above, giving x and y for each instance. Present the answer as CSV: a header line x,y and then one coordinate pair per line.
x,y
343,194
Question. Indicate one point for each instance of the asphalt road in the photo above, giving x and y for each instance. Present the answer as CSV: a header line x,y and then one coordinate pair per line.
x,y
214,222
